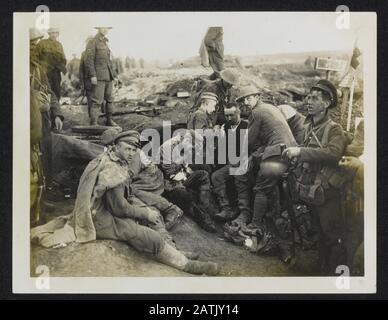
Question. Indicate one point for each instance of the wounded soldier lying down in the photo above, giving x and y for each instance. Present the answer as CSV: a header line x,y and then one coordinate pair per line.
x,y
105,209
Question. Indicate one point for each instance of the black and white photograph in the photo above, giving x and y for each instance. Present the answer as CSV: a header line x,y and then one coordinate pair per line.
x,y
194,152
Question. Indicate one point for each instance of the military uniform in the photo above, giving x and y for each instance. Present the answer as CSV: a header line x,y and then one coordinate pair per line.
x,y
199,120
99,64
73,67
224,97
48,110
267,127
192,194
53,60
215,49
323,147
84,78
221,177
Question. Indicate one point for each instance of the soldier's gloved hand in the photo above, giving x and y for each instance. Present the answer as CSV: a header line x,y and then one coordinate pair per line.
x,y
58,123
291,152
153,216
93,80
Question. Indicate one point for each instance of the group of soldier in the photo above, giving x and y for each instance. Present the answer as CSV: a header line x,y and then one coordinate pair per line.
x,y
108,206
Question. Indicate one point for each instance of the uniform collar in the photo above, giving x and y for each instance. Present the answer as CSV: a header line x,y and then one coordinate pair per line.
x,y
101,37
115,158
309,120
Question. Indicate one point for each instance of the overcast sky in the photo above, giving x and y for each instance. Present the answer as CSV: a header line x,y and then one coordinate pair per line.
x,y
177,35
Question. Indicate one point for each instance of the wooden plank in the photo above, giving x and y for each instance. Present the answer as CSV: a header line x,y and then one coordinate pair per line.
x,y
92,130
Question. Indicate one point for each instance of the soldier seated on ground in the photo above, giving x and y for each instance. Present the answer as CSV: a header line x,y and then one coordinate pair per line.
x,y
105,209
234,131
188,189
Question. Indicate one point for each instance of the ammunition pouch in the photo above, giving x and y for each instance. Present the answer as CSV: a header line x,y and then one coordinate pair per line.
x,y
313,180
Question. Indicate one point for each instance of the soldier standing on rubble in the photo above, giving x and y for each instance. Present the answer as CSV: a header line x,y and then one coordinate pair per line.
x,y
319,178
100,68
213,43
53,60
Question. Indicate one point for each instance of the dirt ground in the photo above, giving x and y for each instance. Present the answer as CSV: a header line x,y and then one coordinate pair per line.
x,y
108,258
112,258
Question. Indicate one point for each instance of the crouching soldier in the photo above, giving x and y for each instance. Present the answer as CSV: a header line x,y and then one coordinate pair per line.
x,y
104,209
319,179
268,131
188,189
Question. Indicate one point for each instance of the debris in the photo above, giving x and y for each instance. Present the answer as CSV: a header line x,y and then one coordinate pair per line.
x,y
183,94
94,130
65,100
60,245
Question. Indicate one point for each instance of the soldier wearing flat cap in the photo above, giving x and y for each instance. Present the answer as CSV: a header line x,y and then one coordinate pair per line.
x,y
105,197
201,118
221,87
319,177
53,60
99,68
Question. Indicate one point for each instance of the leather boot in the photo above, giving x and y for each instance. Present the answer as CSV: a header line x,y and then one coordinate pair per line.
x,y
174,258
172,216
259,210
109,120
94,113
244,216
226,212
202,218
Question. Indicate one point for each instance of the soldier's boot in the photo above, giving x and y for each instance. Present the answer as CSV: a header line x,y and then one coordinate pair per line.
x,y
94,113
172,216
174,258
109,120
109,113
244,216
226,212
259,210
203,216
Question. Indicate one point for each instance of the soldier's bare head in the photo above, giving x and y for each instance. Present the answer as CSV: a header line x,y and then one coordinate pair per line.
x,y
232,114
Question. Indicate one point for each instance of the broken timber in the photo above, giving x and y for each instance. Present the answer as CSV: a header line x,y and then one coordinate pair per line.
x,y
142,111
92,130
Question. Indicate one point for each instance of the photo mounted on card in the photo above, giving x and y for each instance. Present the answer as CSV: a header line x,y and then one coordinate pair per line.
x,y
221,152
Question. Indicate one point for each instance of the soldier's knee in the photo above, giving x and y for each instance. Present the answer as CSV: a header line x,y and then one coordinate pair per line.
x,y
148,241
216,178
203,177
